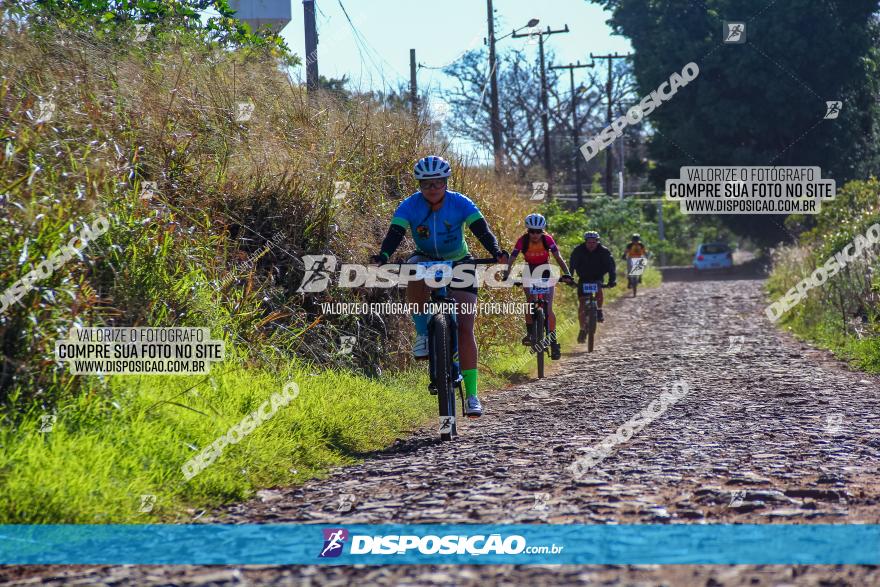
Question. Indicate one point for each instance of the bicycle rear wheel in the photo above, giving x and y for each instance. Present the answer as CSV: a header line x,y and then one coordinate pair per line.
x,y
635,285
591,327
538,338
439,351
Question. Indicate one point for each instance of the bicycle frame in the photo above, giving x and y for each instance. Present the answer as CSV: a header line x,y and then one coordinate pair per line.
x,y
592,309
453,378
539,300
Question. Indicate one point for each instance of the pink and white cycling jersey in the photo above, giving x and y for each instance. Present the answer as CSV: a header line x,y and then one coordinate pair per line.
x,y
536,253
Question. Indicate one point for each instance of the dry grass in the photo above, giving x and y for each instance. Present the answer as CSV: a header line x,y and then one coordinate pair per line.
x,y
165,112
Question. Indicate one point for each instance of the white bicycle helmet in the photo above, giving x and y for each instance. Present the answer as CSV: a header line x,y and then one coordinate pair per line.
x,y
432,167
535,221
591,234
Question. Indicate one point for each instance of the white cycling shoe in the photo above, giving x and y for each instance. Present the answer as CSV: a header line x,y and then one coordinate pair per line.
x,y
420,347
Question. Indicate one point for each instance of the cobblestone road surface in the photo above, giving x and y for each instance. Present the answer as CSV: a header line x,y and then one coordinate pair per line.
x,y
771,431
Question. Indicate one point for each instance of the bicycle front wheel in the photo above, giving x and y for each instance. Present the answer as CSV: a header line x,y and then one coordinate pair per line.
x,y
538,338
440,352
592,319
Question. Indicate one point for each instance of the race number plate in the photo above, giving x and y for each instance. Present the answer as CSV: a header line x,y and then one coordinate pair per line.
x,y
590,287
425,271
541,286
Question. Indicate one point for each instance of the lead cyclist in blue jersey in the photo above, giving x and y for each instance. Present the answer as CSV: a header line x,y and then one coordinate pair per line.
x,y
436,218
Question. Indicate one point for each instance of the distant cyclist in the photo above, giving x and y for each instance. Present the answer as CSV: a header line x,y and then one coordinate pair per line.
x,y
591,261
436,218
635,249
536,246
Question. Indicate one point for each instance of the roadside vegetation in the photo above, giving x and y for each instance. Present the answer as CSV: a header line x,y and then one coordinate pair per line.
x,y
841,315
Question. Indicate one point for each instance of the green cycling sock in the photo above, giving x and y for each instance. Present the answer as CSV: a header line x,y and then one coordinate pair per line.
x,y
470,382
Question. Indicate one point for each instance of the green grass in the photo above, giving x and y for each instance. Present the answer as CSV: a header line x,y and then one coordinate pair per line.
x,y
824,331
102,454
127,439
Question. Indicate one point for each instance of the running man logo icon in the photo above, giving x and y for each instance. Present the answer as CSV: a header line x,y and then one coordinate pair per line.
x,y
638,266
446,423
442,110
346,502
539,190
244,112
541,500
147,503
141,32
734,32
737,499
735,344
833,423
340,189
832,109
534,35
334,538
346,344
45,111
318,270
47,422
148,190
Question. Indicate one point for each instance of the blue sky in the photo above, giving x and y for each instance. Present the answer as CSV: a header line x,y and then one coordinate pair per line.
x,y
439,32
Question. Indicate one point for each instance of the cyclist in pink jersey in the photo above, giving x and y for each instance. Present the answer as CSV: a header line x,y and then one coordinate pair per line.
x,y
536,247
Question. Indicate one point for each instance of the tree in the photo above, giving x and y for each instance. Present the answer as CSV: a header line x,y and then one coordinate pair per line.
x,y
762,102
520,107
111,17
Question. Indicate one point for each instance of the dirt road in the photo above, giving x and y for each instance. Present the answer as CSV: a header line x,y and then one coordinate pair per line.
x,y
771,431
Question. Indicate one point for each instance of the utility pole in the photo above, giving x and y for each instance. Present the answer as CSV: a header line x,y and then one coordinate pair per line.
x,y
574,125
545,107
311,45
609,161
493,74
413,84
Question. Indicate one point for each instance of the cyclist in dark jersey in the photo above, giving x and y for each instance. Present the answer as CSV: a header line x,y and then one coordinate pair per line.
x,y
591,261
436,218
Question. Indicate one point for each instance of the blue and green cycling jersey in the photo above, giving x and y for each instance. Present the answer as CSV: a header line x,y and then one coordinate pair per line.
x,y
438,233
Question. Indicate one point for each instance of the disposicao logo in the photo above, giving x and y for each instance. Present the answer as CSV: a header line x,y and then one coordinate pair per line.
x,y
334,538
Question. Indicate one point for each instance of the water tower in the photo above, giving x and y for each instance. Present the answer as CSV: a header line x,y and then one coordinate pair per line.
x,y
257,13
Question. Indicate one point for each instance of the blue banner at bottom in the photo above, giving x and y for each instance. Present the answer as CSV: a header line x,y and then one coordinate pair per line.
x,y
383,544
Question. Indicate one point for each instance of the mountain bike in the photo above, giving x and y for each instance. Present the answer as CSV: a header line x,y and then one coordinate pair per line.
x,y
443,366
540,322
590,289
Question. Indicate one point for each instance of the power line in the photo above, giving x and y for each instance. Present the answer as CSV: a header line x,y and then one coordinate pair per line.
x,y
361,38
462,54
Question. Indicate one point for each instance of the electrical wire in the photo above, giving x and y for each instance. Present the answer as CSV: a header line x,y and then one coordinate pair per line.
x,y
371,52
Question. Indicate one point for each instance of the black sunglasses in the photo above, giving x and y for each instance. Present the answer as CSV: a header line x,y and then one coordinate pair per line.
x,y
535,231
432,185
